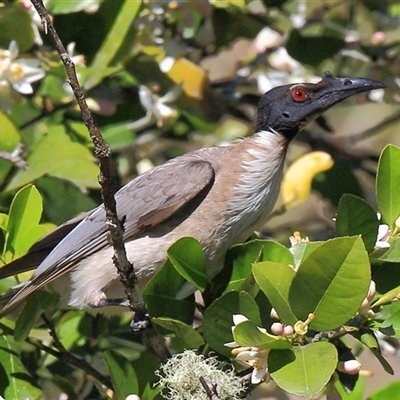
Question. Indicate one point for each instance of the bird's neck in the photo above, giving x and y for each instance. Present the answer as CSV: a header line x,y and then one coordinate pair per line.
x,y
257,188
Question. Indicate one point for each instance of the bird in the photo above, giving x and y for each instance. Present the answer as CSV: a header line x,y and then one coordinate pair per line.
x,y
218,195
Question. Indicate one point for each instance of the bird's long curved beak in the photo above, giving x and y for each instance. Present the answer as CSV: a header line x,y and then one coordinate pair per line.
x,y
341,88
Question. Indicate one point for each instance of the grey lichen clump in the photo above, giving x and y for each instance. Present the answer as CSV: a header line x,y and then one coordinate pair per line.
x,y
183,374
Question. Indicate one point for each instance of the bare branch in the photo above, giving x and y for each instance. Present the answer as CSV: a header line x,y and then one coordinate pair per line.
x,y
103,154
15,157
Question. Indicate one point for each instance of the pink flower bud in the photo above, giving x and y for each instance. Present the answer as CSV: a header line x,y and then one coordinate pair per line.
x,y
351,367
277,328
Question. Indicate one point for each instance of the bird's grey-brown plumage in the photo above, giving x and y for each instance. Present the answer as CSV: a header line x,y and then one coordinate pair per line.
x,y
218,195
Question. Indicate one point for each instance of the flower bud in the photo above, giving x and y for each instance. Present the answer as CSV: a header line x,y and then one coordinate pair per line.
x,y
351,367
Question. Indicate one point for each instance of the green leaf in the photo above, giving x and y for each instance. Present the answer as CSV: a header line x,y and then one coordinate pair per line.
x,y
30,237
25,212
247,334
242,256
391,326
160,296
9,139
303,370
186,255
387,297
37,303
16,24
15,382
356,217
388,184
218,318
301,250
117,136
390,255
55,191
331,283
274,280
123,376
56,155
367,338
191,337
388,392
356,394
113,42
312,50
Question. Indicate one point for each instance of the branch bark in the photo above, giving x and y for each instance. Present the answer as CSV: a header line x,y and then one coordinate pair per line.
x,y
103,155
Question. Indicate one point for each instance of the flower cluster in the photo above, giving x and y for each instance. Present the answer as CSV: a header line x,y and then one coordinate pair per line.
x,y
250,356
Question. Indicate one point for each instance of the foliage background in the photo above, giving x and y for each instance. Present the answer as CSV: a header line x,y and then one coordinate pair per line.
x,y
164,78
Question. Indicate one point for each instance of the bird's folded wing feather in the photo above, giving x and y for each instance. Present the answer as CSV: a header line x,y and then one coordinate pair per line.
x,y
41,249
146,201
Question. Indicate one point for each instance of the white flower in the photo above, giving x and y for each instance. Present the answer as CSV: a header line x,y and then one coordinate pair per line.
x,y
256,358
250,356
156,108
17,73
366,304
383,236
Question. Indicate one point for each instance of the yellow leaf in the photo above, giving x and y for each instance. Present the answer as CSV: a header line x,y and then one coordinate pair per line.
x,y
191,76
296,183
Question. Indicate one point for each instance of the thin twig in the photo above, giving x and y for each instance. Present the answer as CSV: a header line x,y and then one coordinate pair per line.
x,y
15,157
103,154
64,356
210,388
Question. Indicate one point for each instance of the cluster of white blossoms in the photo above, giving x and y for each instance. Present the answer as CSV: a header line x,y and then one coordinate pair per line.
x,y
16,74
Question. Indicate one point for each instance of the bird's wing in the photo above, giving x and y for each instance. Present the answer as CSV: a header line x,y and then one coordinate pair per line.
x,y
146,201
41,249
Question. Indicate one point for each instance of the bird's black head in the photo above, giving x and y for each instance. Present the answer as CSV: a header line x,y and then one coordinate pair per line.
x,y
287,109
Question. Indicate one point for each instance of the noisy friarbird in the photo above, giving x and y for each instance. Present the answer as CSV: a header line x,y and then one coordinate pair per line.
x,y
218,195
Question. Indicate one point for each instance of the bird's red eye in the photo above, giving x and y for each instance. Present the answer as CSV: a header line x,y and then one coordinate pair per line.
x,y
299,94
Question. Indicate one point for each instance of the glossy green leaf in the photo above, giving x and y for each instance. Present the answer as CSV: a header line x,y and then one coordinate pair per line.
x,y
160,295
301,250
331,283
367,337
186,255
25,213
56,155
388,392
388,297
390,254
242,257
356,217
303,370
217,321
28,238
388,184
123,375
247,334
391,326
190,336
356,394
112,43
15,382
274,280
